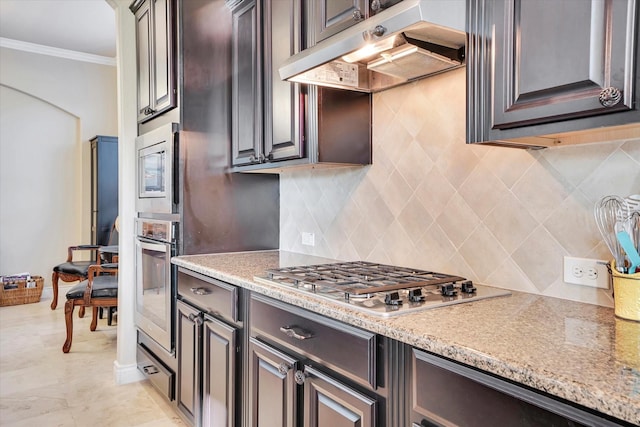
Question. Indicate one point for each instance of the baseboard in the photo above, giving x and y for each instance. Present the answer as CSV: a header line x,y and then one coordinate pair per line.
x,y
125,374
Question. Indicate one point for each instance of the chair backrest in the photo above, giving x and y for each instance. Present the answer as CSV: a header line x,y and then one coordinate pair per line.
x,y
114,234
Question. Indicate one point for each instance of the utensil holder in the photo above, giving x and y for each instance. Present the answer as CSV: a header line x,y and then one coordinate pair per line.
x,y
626,294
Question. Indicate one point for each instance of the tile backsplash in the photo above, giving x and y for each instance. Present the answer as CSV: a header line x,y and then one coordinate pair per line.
x,y
500,216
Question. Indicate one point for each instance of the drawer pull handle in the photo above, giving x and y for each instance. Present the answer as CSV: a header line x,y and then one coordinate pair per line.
x,y
297,333
150,370
200,291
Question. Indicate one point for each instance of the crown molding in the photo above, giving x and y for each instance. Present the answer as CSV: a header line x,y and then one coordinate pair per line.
x,y
54,51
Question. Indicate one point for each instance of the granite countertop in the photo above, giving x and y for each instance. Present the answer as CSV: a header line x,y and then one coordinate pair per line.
x,y
575,351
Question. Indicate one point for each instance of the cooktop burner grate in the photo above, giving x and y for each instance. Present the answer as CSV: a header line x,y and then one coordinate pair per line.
x,y
379,289
360,277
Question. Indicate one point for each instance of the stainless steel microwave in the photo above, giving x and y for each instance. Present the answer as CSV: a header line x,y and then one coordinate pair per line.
x,y
157,163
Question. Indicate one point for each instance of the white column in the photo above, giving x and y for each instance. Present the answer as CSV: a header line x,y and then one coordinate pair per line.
x,y
125,364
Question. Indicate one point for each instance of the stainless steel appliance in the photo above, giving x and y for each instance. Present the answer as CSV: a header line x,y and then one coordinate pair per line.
x,y
379,289
407,41
157,170
156,279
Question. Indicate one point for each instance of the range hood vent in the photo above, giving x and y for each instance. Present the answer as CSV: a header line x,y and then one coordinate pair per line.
x,y
408,41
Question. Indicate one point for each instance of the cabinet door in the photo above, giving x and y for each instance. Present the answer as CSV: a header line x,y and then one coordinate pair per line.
x,y
554,60
272,386
162,59
246,108
330,403
284,101
333,16
155,53
219,378
143,58
188,349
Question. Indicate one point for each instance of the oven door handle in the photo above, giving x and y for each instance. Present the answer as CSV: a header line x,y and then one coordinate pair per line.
x,y
153,245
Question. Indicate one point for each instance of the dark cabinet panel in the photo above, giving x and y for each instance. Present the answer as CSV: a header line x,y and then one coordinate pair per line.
x,y
446,393
188,350
284,101
218,373
333,16
538,68
272,386
535,83
328,402
104,188
246,104
156,57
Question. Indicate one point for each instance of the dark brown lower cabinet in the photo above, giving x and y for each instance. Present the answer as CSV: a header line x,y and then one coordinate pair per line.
x,y
445,393
207,369
281,387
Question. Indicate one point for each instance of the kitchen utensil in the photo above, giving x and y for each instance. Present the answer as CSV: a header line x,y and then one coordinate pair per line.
x,y
634,227
607,212
629,249
633,201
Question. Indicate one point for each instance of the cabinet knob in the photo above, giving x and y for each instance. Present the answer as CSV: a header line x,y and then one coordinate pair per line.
x,y
610,96
148,111
196,319
357,15
375,5
300,377
283,368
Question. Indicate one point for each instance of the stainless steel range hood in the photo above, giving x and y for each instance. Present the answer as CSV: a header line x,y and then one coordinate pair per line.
x,y
410,40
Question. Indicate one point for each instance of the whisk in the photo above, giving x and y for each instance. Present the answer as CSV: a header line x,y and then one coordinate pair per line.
x,y
608,211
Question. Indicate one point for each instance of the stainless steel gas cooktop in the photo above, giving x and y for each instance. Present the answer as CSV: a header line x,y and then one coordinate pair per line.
x,y
380,289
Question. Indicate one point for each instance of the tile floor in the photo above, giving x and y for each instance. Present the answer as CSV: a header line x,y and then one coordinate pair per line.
x,y
41,386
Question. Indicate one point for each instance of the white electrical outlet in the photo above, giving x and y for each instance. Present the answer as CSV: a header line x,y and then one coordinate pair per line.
x,y
586,272
308,239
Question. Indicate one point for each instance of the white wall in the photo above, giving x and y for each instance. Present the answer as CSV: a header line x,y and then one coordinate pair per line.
x,y
50,109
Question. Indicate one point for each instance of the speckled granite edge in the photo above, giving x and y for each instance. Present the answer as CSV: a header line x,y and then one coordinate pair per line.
x,y
597,385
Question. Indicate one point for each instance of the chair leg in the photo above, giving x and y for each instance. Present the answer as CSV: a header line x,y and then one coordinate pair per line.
x,y
81,312
54,285
68,320
94,319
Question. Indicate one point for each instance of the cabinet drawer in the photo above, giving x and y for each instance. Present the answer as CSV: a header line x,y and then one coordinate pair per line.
x,y
343,348
161,377
209,295
446,393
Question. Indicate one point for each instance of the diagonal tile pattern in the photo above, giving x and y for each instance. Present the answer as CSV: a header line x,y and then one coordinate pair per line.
x,y
500,216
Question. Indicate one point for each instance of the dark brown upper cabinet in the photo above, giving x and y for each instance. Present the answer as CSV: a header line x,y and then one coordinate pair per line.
x,y
548,73
276,123
333,16
266,111
156,56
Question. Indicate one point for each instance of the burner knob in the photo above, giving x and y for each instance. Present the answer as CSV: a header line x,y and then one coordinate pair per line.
x,y
448,290
392,298
415,295
467,287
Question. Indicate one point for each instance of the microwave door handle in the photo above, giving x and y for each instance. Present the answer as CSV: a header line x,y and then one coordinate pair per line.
x,y
175,168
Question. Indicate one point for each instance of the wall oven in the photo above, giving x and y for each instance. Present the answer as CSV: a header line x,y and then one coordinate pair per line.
x,y
157,159
155,279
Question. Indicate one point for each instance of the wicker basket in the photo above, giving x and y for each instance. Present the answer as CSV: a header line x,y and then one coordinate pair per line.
x,y
21,291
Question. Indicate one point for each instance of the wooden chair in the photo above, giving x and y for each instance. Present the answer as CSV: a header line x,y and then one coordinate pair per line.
x,y
99,290
74,271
